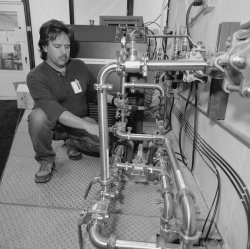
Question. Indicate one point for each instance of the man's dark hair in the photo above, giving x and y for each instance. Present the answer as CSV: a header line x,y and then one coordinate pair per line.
x,y
49,31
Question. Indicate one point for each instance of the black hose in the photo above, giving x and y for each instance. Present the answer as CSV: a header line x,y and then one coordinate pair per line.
x,y
195,125
187,21
194,3
232,175
182,122
218,190
170,113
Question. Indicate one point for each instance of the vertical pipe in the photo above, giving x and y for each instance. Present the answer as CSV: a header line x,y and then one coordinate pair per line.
x,y
130,7
168,199
103,120
103,133
187,203
71,12
29,33
123,88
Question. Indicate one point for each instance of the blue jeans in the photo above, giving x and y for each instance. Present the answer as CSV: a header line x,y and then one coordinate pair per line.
x,y
42,132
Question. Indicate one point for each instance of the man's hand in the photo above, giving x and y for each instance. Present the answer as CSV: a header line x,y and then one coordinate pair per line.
x,y
91,126
88,124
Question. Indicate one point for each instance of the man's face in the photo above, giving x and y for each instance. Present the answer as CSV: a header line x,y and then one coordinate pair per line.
x,y
58,50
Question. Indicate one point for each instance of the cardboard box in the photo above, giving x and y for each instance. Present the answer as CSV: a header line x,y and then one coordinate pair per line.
x,y
24,99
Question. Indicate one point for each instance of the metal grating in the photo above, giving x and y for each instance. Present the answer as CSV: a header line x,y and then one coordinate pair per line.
x,y
26,227
45,215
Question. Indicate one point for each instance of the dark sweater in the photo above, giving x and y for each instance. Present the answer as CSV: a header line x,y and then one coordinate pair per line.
x,y
53,92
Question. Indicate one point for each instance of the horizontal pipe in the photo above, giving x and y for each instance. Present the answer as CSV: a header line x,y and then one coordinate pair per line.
x,y
127,166
126,244
144,85
138,137
101,242
176,65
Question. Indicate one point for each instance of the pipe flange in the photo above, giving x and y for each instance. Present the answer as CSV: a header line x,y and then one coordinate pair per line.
x,y
184,192
190,239
112,241
107,182
165,191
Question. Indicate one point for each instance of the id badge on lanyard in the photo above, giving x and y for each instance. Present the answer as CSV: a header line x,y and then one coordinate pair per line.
x,y
76,86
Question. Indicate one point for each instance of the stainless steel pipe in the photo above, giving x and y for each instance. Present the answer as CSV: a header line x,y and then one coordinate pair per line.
x,y
181,65
145,85
103,120
138,137
186,201
176,65
101,242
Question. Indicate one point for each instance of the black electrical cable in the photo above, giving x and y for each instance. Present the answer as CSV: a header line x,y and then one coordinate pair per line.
x,y
187,19
232,175
236,179
223,164
215,208
195,124
236,182
183,119
149,23
194,3
217,193
155,44
170,113
241,196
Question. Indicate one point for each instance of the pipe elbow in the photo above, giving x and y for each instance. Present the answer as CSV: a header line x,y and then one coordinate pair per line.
x,y
96,238
105,71
189,221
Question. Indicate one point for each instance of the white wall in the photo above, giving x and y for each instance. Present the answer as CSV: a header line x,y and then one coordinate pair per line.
x,y
42,11
85,10
8,77
231,216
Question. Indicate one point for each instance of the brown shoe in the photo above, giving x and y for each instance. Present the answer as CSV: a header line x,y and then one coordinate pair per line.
x,y
44,173
73,153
